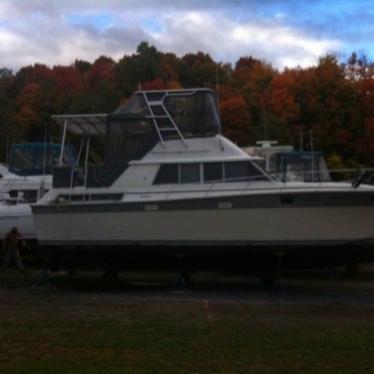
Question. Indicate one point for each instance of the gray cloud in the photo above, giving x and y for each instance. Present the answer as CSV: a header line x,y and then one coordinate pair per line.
x,y
39,31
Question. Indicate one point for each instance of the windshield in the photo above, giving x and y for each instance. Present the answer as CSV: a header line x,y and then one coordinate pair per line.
x,y
38,158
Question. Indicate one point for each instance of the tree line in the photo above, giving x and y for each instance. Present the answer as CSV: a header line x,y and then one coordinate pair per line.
x,y
331,103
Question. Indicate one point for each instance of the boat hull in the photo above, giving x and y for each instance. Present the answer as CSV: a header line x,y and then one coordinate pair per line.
x,y
222,227
20,216
227,231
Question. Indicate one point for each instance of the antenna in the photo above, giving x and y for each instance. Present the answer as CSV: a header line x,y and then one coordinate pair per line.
x,y
45,150
7,150
301,138
42,184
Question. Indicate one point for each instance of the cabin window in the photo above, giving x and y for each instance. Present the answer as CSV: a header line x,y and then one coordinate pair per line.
x,y
190,173
213,172
167,174
242,171
24,195
13,194
30,195
236,171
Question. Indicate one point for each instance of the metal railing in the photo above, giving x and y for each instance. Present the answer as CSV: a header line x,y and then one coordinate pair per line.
x,y
253,183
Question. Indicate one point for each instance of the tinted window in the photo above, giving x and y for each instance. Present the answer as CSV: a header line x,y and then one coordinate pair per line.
x,y
236,171
190,173
255,173
30,195
167,174
242,171
213,172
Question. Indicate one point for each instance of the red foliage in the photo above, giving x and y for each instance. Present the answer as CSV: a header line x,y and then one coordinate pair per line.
x,y
68,79
236,119
156,84
103,69
282,98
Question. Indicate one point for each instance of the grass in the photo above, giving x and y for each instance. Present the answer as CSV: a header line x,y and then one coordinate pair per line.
x,y
75,332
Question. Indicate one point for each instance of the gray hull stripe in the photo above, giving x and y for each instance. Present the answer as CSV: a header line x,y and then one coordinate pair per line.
x,y
264,201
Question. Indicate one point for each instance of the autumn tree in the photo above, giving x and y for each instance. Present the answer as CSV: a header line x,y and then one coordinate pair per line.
x,y
333,101
236,119
253,77
6,99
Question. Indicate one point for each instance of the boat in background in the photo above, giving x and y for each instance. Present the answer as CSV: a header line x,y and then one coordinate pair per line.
x,y
25,180
287,164
172,186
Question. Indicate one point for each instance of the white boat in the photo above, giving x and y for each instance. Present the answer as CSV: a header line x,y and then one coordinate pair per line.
x,y
24,181
171,183
288,164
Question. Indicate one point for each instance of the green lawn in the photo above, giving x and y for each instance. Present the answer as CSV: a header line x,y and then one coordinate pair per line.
x,y
54,332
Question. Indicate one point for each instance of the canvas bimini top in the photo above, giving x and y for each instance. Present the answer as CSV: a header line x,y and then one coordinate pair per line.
x,y
148,117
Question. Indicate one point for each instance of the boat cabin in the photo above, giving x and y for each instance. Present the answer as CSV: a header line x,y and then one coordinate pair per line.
x,y
157,127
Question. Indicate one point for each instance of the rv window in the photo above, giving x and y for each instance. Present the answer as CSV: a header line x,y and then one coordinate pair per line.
x,y
167,174
213,172
190,173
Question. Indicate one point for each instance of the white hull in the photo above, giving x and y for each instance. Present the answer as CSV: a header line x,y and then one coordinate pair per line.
x,y
271,226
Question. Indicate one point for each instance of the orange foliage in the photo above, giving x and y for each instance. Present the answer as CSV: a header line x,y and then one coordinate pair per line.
x,y
333,100
236,119
156,84
103,69
282,98
68,79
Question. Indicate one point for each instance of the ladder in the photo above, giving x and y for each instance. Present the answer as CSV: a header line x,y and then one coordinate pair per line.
x,y
162,120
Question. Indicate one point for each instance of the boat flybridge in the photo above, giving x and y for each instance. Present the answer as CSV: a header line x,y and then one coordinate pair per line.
x,y
171,184
26,178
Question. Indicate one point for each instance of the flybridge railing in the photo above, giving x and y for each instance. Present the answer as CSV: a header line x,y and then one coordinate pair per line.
x,y
362,176
74,177
354,176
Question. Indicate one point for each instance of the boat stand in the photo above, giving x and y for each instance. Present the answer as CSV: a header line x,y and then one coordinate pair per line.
x,y
182,277
111,276
273,282
44,280
277,284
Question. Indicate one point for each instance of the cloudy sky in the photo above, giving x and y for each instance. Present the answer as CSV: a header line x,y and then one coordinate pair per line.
x,y
285,33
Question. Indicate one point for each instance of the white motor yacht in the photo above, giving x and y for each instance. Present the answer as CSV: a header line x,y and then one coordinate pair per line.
x,y
172,183
24,181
